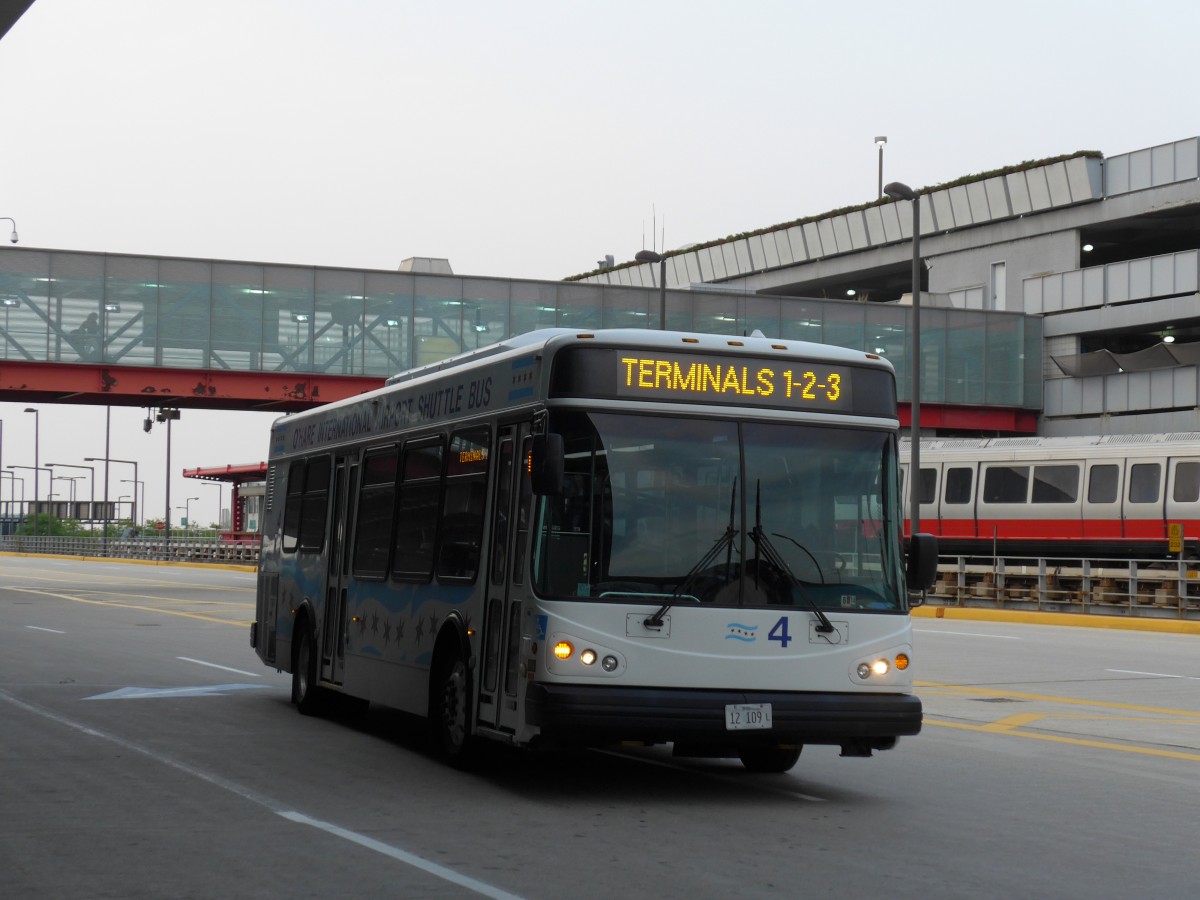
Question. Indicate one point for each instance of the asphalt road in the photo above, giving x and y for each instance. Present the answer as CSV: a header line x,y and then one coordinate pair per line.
x,y
145,752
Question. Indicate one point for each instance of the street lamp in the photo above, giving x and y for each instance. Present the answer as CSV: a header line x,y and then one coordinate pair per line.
x,y
92,470
106,460
187,511
898,191
649,256
37,422
220,495
139,489
879,142
13,236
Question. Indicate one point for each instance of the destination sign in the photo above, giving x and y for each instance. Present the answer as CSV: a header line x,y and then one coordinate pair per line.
x,y
781,383
670,376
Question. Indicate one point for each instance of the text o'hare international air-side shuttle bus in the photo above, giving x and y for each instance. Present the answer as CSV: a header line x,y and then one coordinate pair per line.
x,y
582,538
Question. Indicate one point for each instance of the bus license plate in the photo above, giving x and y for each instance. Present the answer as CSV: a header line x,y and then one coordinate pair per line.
x,y
740,717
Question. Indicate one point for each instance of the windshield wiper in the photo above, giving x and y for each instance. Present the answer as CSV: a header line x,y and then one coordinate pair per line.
x,y
724,542
762,544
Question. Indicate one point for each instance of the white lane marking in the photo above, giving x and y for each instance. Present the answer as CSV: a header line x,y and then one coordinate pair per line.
x,y
1152,674
999,637
270,803
201,662
409,859
40,628
203,690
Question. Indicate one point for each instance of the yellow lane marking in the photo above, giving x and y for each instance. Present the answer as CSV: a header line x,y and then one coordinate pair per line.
x,y
1078,742
953,689
154,609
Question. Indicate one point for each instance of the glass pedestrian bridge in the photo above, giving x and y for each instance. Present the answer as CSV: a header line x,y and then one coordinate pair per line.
x,y
99,309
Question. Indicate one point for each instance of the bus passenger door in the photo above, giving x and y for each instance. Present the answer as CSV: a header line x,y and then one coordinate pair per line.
x,y
333,644
498,694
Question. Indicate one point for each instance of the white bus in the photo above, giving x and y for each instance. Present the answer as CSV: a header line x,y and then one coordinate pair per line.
x,y
581,538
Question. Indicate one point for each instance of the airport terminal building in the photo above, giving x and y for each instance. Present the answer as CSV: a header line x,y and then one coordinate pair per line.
x,y
1103,252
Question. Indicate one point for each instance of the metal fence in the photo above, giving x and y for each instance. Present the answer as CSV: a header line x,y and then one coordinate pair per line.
x,y
180,548
1143,588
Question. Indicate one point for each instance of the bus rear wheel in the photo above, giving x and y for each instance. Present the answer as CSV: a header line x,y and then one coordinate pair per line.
x,y
305,693
772,760
449,714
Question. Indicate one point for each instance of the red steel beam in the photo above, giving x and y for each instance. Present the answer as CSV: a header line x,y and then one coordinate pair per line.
x,y
85,383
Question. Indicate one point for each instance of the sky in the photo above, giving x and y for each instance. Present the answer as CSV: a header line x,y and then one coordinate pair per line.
x,y
523,139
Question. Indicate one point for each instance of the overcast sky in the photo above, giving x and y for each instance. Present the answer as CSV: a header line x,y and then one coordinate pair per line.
x,y
524,139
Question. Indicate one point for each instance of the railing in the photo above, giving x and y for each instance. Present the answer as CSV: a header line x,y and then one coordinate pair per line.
x,y
1145,588
180,548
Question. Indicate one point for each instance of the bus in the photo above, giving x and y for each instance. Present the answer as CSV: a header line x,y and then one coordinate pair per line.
x,y
582,538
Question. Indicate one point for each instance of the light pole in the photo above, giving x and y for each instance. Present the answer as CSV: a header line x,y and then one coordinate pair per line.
x,y
187,512
220,494
649,256
12,237
92,470
139,490
898,191
880,140
37,422
106,460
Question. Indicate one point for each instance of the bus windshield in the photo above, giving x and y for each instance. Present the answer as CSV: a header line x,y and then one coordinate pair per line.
x,y
722,513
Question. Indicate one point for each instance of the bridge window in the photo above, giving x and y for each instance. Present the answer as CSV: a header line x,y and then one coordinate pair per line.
x,y
1055,484
1006,484
1102,483
959,485
1143,482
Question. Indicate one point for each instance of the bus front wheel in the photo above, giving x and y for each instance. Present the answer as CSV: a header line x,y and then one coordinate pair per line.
x,y
769,759
449,714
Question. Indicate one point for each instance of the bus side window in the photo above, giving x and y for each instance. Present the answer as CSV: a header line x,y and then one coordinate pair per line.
x,y
463,503
293,505
376,506
417,511
316,504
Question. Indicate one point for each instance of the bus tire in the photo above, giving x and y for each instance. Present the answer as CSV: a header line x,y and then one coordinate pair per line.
x,y
772,760
450,708
305,693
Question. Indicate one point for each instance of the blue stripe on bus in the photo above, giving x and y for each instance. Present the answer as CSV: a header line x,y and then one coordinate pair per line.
x,y
520,393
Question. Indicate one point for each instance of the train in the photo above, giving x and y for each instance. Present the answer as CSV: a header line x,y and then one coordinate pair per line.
x,y
1100,497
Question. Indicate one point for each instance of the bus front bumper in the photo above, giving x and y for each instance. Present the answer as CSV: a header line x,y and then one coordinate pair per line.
x,y
573,713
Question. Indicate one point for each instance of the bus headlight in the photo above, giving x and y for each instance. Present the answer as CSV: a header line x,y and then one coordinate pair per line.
x,y
563,650
588,656
609,663
877,667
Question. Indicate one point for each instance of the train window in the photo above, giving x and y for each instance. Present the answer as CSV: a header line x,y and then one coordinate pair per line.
x,y
927,485
1143,482
1102,483
1055,484
1006,484
958,485
1187,482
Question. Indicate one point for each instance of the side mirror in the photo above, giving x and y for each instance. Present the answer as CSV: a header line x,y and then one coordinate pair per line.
x,y
922,566
546,464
